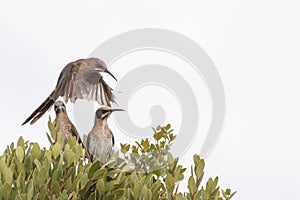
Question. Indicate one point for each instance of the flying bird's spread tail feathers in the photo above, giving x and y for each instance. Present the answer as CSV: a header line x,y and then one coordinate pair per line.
x,y
45,106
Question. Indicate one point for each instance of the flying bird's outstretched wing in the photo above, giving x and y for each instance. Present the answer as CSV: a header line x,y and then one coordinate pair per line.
x,y
88,84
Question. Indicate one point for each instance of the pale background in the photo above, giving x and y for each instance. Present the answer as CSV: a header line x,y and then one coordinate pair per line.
x,y
255,46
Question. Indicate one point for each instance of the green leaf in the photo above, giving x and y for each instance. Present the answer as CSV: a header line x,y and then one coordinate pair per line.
x,y
230,197
6,191
52,129
196,159
170,183
8,175
170,159
42,176
36,150
95,166
192,185
99,174
101,187
69,155
158,127
28,165
199,166
20,153
49,138
198,195
146,193
215,183
171,136
178,173
56,188
60,139
137,188
168,126
158,135
227,191
20,181
12,146
128,168
21,142
37,164
125,148
30,189
56,149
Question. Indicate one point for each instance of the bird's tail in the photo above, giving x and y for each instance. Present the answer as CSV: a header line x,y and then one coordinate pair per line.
x,y
38,113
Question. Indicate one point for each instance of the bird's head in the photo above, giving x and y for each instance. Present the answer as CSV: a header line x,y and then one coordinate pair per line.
x,y
59,106
104,112
100,66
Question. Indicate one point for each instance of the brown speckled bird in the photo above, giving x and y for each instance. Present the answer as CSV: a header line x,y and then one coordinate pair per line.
x,y
63,124
80,79
100,140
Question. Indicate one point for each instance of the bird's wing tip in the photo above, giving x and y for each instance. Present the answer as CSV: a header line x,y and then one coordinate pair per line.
x,y
25,122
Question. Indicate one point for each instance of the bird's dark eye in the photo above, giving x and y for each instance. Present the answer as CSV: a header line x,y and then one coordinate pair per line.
x,y
104,114
99,113
55,107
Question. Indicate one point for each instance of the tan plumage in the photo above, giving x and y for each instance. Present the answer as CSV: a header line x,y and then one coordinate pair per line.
x,y
100,140
63,123
80,79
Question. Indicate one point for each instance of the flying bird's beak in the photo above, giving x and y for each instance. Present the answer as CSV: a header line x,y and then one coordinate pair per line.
x,y
116,109
110,74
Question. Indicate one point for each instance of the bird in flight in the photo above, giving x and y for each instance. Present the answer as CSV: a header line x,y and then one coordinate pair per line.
x,y
80,79
100,140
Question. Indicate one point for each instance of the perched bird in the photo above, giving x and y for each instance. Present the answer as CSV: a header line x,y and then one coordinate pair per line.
x,y
63,124
100,140
80,79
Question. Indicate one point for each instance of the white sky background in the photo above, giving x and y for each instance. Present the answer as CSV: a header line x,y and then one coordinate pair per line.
x,y
254,44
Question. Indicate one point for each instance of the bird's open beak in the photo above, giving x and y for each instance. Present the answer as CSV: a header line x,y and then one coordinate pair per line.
x,y
110,74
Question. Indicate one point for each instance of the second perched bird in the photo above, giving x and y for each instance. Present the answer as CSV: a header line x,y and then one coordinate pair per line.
x,y
63,123
101,140
80,79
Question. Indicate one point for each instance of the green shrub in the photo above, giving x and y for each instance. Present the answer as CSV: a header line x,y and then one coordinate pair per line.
x,y
142,171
